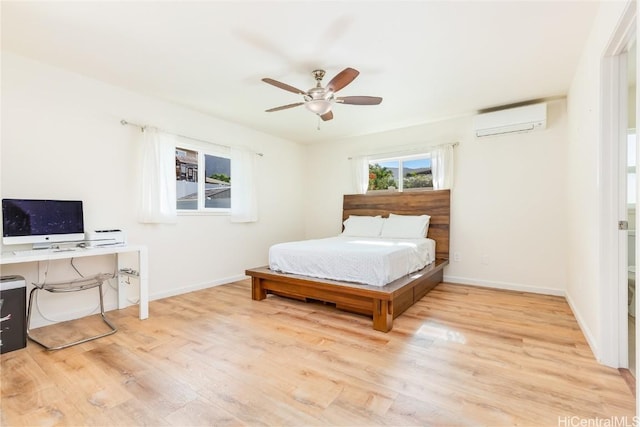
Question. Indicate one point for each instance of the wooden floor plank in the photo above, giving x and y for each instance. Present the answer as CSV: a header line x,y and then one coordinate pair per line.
x,y
462,355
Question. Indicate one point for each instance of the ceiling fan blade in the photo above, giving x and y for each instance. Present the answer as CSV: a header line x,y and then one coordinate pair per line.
x,y
327,116
284,86
284,107
359,100
342,79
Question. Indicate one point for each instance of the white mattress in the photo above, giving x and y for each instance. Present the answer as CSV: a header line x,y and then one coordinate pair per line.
x,y
367,260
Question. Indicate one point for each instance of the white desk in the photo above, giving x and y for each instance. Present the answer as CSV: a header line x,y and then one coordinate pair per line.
x,y
46,255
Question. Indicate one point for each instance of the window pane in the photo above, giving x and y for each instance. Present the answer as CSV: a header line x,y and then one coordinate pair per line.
x,y
217,186
383,175
186,179
417,173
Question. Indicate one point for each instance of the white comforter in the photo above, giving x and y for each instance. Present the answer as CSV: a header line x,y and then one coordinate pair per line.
x,y
372,261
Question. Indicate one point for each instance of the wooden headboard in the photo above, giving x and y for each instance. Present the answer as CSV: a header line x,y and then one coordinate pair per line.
x,y
434,203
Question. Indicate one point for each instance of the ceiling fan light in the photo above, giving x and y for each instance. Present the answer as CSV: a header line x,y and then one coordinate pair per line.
x,y
318,106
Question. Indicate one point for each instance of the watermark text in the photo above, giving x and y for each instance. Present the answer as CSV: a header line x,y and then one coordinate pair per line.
x,y
576,421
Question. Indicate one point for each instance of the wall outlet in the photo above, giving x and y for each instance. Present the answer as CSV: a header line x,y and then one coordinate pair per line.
x,y
485,259
456,257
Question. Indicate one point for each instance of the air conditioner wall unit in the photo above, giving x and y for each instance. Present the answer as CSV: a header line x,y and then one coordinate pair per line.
x,y
511,120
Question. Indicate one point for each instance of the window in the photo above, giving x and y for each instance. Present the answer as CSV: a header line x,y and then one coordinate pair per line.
x,y
401,173
203,181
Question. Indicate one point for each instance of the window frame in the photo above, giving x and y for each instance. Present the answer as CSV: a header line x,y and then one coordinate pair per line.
x,y
202,150
400,159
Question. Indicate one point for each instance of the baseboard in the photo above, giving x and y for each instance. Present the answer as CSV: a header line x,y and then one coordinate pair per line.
x,y
112,304
585,330
503,285
545,291
195,287
38,321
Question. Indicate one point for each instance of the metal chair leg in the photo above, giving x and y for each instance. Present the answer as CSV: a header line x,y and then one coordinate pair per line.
x,y
112,327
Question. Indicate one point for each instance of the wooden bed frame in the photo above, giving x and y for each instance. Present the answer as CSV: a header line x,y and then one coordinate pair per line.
x,y
383,303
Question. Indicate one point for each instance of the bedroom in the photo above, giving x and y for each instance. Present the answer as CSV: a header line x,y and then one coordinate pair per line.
x,y
512,225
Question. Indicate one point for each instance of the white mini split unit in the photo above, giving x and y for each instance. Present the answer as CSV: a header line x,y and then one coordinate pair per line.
x,y
511,120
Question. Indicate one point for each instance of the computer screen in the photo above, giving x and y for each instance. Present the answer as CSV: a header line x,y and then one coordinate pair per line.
x,y
41,221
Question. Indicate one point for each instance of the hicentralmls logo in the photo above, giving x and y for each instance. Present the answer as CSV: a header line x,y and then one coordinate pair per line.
x,y
576,421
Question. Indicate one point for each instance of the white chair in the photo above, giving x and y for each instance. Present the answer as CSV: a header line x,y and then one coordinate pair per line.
x,y
81,284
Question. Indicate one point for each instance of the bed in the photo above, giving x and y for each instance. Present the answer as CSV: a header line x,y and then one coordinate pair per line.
x,y
369,260
381,302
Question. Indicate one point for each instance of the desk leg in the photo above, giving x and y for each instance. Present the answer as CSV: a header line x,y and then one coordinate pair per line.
x,y
144,283
122,290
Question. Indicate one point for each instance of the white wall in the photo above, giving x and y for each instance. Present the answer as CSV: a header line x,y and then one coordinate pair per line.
x,y
508,200
586,187
62,138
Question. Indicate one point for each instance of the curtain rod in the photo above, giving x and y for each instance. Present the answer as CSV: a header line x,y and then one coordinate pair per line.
x,y
123,122
407,150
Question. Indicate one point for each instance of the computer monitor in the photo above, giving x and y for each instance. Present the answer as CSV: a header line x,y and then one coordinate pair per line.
x,y
41,222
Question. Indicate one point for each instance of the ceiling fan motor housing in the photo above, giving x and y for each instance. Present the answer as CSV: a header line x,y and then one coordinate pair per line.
x,y
318,93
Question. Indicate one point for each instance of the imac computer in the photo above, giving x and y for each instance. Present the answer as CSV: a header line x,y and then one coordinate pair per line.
x,y
41,222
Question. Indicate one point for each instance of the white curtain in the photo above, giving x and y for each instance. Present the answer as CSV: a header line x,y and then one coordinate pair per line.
x,y
157,201
442,166
244,200
360,171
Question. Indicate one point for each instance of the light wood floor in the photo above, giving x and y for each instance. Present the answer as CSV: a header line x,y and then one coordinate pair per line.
x,y
461,356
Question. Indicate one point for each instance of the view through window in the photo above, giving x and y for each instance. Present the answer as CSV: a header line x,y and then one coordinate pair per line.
x,y
203,181
401,173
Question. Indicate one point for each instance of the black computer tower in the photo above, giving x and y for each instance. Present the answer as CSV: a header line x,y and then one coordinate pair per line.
x,y
13,326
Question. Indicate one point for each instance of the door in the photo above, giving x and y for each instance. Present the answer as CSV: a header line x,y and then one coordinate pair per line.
x,y
628,187
625,135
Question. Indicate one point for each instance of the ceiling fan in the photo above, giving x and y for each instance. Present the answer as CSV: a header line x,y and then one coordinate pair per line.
x,y
319,100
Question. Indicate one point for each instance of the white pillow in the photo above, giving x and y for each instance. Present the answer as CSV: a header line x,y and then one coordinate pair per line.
x,y
363,226
405,226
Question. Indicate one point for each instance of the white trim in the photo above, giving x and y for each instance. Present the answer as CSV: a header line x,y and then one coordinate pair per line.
x,y
607,348
610,348
196,287
584,328
208,211
519,287
624,32
608,352
637,220
68,315
620,151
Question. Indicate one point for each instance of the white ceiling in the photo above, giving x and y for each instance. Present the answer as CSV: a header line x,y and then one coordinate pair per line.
x,y
429,60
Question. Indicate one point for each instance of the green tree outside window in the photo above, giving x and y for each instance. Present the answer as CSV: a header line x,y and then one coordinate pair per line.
x,y
380,177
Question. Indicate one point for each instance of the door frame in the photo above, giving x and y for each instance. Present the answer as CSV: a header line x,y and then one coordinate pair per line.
x,y
614,309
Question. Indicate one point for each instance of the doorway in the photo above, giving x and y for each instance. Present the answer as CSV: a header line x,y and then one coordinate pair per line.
x,y
618,192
